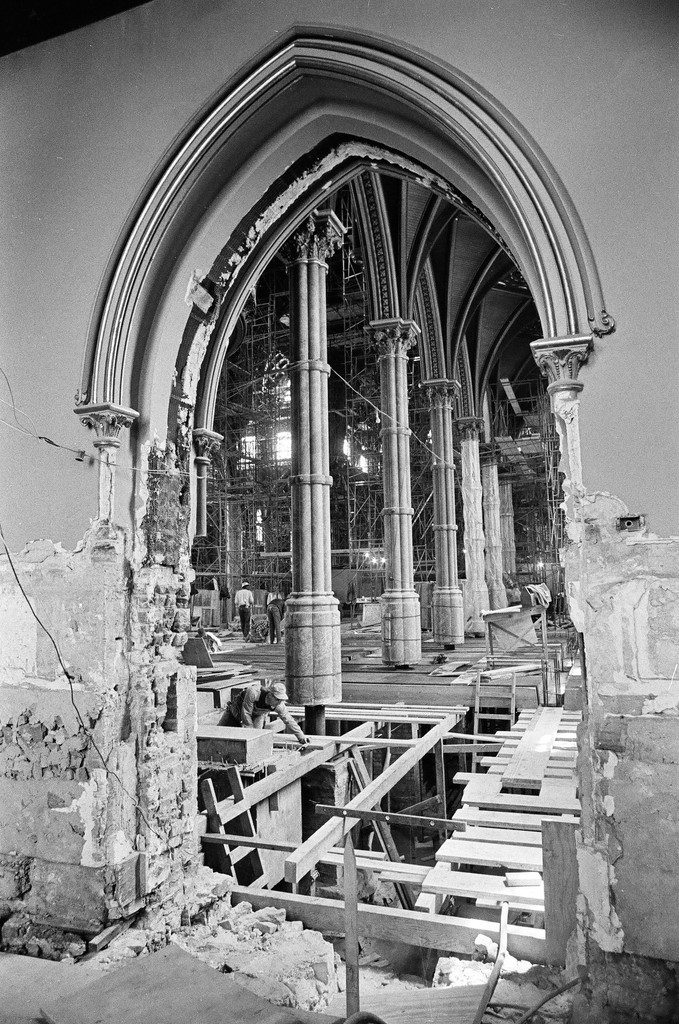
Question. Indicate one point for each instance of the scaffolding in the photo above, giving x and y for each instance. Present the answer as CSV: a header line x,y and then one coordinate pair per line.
x,y
249,527
526,443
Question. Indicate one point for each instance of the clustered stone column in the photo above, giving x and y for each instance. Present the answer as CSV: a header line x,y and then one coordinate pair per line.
x,y
493,533
107,420
476,592
205,443
447,607
313,663
507,528
401,628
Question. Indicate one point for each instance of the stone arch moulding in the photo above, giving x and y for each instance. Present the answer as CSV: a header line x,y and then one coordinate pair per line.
x,y
537,216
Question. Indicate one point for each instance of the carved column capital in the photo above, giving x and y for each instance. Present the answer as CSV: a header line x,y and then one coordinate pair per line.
x,y
107,420
320,236
395,336
442,393
470,427
560,360
206,443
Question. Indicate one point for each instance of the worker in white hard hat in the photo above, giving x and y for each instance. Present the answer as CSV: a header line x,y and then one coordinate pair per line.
x,y
251,707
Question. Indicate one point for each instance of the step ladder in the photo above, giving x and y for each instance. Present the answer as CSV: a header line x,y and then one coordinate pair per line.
x,y
243,863
494,699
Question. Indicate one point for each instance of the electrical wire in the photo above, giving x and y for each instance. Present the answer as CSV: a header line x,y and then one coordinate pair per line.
x,y
15,407
384,415
81,454
71,680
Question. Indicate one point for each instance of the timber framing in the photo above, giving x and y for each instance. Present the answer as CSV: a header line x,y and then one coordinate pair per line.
x,y
525,790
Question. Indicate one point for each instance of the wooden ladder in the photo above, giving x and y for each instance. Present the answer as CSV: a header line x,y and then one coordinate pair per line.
x,y
228,857
494,689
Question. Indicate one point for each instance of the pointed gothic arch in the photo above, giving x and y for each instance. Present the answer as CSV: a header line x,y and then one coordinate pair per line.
x,y
465,139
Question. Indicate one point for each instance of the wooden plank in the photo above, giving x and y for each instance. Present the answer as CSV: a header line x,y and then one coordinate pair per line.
x,y
464,851
508,819
471,885
101,941
260,791
224,744
427,931
557,796
329,834
529,761
516,837
449,1005
522,879
561,886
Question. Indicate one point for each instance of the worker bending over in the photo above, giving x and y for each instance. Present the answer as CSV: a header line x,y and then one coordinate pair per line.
x,y
251,706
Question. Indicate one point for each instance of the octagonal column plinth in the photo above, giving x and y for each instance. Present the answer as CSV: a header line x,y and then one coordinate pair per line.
x,y
107,420
476,591
447,608
205,443
313,663
492,528
401,626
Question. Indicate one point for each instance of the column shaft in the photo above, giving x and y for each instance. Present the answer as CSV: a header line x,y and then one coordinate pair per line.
x,y
447,609
205,443
493,535
401,629
476,592
507,528
312,647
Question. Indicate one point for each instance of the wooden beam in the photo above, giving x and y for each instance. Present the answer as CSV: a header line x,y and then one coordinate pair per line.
x,y
426,931
306,857
222,743
471,884
391,818
464,851
560,879
382,830
509,819
253,842
259,791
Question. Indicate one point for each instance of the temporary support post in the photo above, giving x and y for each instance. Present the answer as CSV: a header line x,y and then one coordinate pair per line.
x,y
330,833
351,926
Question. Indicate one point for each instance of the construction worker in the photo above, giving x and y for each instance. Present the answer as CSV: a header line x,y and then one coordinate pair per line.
x,y
244,602
275,608
251,706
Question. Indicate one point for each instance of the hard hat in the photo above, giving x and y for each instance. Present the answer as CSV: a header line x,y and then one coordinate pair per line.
x,y
277,690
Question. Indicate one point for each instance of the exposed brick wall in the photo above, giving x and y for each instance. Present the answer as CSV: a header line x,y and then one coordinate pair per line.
x,y
73,829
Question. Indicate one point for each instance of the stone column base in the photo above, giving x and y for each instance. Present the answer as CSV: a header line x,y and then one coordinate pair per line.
x,y
401,629
447,615
313,657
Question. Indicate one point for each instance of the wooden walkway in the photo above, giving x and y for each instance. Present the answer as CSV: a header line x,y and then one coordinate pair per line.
x,y
365,679
520,816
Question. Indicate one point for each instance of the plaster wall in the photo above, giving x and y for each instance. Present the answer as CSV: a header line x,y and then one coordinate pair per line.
x,y
89,117
87,121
